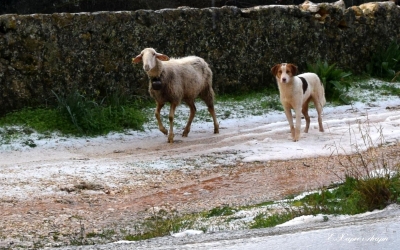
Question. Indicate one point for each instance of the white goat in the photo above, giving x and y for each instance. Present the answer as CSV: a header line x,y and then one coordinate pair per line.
x,y
178,80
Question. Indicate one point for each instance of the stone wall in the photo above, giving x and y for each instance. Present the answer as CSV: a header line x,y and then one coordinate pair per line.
x,y
91,52
52,6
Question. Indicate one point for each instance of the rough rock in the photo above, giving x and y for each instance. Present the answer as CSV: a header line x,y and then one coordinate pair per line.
x,y
91,52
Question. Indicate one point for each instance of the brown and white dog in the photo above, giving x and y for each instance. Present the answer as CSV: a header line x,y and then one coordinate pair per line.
x,y
296,92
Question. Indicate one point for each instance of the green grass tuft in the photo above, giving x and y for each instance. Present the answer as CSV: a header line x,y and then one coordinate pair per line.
x,y
77,115
220,211
263,220
41,120
162,224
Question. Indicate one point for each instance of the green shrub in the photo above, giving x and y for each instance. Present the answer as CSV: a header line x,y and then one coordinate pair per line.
x,y
334,81
385,62
354,196
357,195
113,113
378,192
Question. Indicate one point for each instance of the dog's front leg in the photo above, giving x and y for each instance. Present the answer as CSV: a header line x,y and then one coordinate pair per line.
x,y
289,117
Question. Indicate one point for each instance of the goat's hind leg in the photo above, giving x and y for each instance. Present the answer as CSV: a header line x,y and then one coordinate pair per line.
x,y
208,98
191,116
212,112
158,117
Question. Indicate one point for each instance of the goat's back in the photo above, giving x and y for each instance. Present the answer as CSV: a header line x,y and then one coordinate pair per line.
x,y
191,64
189,75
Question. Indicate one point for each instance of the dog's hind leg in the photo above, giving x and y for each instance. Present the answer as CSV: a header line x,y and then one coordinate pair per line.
x,y
306,116
318,107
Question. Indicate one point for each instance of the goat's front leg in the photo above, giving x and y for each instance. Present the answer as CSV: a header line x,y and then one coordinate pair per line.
x,y
191,116
158,117
171,123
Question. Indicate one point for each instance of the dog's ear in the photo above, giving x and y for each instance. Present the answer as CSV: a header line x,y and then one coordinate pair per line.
x,y
274,70
293,68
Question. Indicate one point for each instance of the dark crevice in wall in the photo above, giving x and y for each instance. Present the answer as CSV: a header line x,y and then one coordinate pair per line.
x,y
3,29
342,25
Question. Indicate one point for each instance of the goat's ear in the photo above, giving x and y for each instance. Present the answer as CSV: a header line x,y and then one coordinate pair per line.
x,y
293,68
162,57
137,59
274,70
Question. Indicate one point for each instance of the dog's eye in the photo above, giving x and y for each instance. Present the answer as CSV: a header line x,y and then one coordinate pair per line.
x,y
287,71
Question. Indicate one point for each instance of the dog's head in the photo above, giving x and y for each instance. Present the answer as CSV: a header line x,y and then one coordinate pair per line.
x,y
284,72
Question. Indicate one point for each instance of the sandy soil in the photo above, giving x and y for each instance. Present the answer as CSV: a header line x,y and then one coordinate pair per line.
x,y
84,208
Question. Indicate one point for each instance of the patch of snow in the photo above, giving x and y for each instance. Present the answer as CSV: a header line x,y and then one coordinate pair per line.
x,y
187,233
59,160
382,173
308,219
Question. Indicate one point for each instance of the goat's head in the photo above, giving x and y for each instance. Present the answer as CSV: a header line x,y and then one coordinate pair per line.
x,y
149,57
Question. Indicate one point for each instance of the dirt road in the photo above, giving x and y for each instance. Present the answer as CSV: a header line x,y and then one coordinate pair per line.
x,y
66,188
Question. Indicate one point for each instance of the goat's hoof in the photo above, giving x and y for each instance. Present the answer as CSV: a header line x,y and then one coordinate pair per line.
x,y
171,138
216,131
